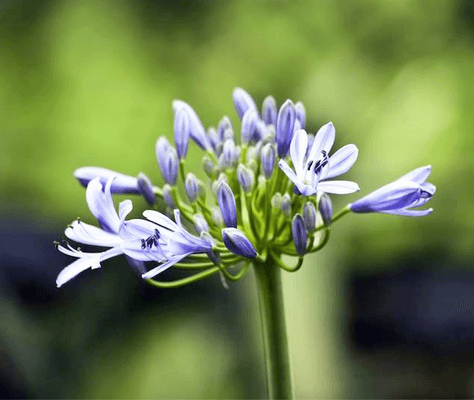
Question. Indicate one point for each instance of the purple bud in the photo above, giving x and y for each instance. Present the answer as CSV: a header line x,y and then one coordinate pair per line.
x,y
238,243
300,114
167,160
224,124
226,201
286,205
191,185
325,209
248,126
124,184
228,156
181,132
245,177
285,127
242,102
146,188
168,196
300,236
309,216
268,160
209,167
228,134
196,129
200,224
213,137
269,110
216,216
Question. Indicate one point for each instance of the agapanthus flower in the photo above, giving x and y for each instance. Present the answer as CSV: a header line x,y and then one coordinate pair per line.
x,y
156,239
249,211
312,171
400,196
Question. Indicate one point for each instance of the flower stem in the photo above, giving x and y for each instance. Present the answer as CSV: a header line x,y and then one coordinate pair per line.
x,y
275,340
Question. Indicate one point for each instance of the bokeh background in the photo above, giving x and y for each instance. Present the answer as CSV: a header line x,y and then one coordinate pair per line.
x,y
386,310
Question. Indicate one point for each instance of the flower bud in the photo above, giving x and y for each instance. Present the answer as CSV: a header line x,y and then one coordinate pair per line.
x,y
209,167
245,177
238,243
224,124
268,160
196,129
269,110
216,216
200,224
325,209
181,132
309,216
228,156
242,102
286,205
167,160
276,201
285,128
121,184
168,196
226,201
146,188
300,114
299,234
248,126
191,185
213,137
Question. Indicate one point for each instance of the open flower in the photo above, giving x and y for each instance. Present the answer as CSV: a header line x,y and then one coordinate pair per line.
x,y
312,171
398,197
159,239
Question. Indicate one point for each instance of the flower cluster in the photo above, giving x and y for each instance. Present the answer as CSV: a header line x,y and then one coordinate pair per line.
x,y
266,195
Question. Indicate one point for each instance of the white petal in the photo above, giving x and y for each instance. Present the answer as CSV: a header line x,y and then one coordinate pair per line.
x,y
101,205
409,213
88,234
160,219
298,147
418,175
125,207
164,266
342,161
288,171
323,140
338,187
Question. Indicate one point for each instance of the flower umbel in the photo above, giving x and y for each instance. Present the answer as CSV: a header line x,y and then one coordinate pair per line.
x,y
242,206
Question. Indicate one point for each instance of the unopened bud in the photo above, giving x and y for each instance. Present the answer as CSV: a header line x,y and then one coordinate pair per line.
x,y
200,224
146,188
245,177
191,185
309,216
268,160
286,205
168,196
238,243
299,234
325,209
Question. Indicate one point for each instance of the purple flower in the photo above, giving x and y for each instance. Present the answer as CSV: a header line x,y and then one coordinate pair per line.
x,y
226,201
167,160
411,190
312,171
285,127
269,110
238,243
299,234
196,129
242,102
181,132
124,184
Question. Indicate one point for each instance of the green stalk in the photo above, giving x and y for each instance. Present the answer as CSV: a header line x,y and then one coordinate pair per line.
x,y
275,340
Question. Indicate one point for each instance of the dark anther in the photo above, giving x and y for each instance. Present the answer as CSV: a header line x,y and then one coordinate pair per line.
x,y
309,164
151,240
143,244
321,163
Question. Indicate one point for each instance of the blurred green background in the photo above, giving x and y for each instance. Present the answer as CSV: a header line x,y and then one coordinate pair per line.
x,y
91,83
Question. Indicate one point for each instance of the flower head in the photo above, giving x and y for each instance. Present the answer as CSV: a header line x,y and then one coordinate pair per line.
x,y
312,171
409,191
